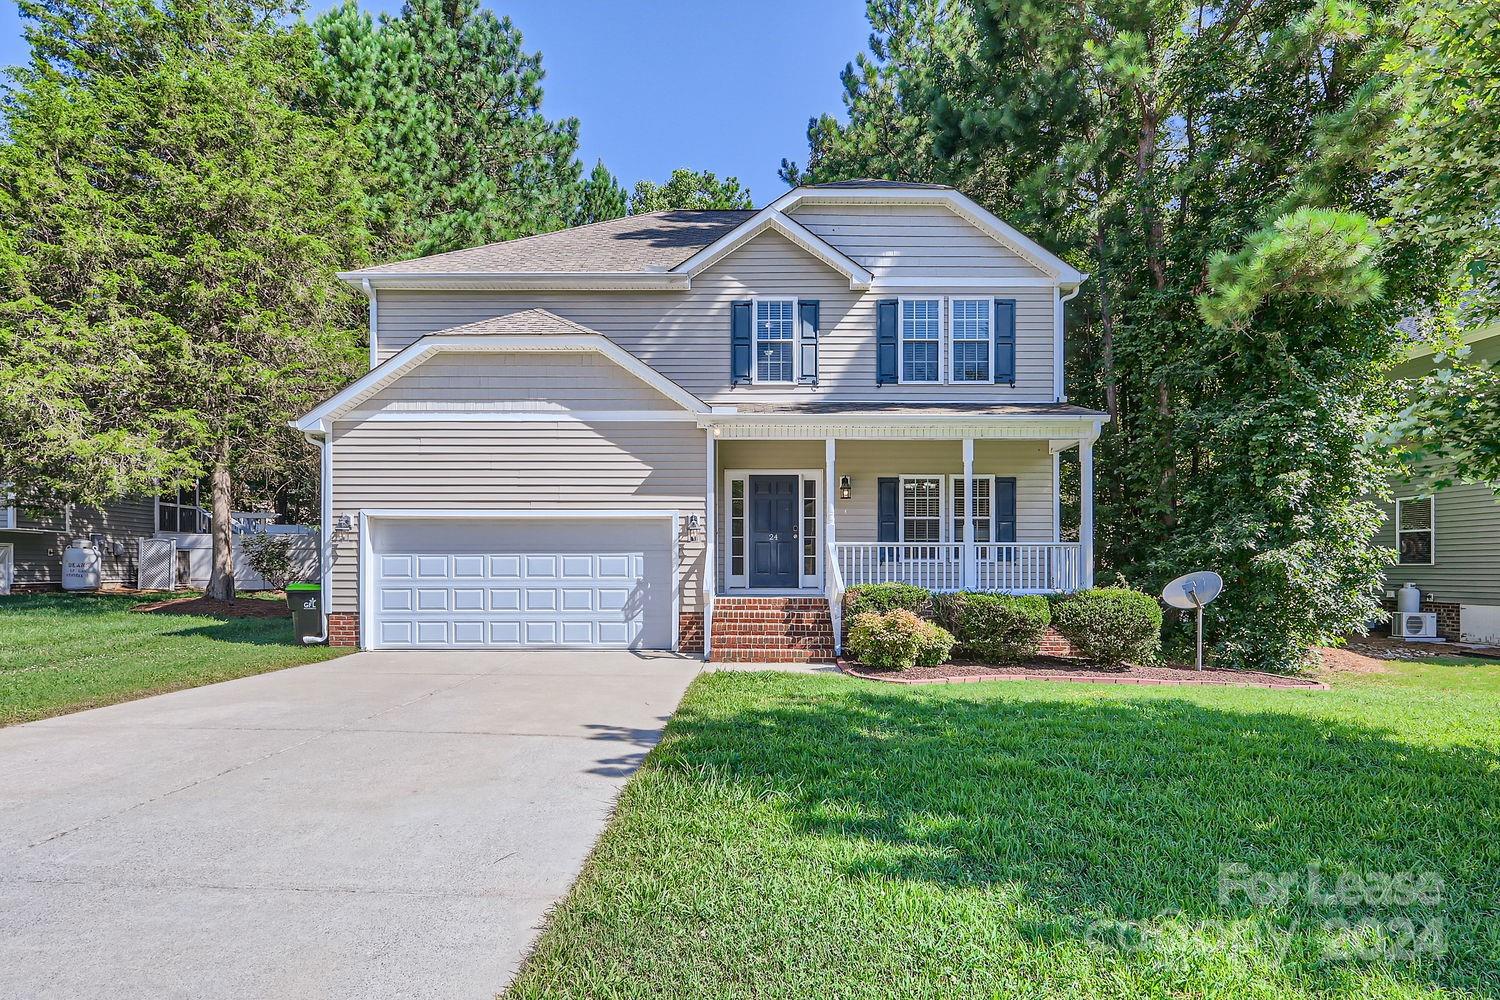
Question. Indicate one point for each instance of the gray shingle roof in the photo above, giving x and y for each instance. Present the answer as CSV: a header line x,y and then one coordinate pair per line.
x,y
655,241
526,323
927,409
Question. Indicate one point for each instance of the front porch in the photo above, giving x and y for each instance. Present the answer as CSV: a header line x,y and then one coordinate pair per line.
x,y
941,503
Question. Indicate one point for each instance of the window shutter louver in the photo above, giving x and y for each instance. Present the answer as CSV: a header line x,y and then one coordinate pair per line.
x,y
887,346
807,313
741,355
1005,341
888,499
1005,508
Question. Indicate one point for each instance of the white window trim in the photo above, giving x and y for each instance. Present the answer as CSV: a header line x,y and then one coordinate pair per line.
x,y
989,342
1431,529
944,508
796,340
742,582
942,359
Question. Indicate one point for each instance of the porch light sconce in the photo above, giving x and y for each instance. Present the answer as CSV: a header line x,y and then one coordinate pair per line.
x,y
846,490
343,522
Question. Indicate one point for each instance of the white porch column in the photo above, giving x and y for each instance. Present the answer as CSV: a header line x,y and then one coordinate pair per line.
x,y
970,553
710,550
1086,508
830,501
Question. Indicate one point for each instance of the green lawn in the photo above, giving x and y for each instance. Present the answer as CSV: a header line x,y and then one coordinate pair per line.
x,y
820,837
61,652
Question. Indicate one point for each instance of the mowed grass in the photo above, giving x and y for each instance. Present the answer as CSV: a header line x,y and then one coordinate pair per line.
x,y
821,837
63,652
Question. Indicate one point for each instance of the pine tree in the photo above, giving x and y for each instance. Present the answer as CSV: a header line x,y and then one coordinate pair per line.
x,y
450,104
689,189
172,225
602,197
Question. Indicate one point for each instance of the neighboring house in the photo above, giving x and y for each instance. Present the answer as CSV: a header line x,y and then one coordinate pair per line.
x,y
695,428
31,545
175,528
1448,544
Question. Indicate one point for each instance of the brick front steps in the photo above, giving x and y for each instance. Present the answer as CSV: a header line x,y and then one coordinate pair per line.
x,y
772,630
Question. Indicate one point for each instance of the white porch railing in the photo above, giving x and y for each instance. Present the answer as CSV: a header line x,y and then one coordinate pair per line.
x,y
835,590
1016,567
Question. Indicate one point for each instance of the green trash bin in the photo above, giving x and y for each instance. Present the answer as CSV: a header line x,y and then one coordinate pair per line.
x,y
306,603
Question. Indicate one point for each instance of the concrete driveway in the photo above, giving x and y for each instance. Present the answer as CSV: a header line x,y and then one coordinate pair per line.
x,y
385,824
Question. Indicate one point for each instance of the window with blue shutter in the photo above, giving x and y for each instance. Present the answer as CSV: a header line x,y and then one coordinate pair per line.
x,y
1005,341
808,320
887,343
739,343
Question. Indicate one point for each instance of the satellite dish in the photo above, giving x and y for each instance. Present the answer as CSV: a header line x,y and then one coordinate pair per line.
x,y
1193,592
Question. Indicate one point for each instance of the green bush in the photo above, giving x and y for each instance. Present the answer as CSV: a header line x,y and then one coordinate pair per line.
x,y
897,640
878,598
995,628
1110,626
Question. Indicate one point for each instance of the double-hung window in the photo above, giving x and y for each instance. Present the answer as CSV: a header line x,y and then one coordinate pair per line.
x,y
921,509
984,511
969,329
775,340
921,340
1414,531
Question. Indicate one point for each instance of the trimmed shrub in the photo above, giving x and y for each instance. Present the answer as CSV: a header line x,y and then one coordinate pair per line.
x,y
878,598
995,628
897,640
1110,626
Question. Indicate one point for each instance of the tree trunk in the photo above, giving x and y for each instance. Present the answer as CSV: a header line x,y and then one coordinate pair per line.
x,y
221,578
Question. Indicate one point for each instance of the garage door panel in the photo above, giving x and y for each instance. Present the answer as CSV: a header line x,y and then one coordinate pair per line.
x,y
524,582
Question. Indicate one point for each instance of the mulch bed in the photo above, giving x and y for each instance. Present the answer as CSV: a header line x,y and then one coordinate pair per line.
x,y
210,608
1077,672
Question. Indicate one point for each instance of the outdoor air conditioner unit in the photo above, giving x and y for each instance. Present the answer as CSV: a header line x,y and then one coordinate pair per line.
x,y
1415,625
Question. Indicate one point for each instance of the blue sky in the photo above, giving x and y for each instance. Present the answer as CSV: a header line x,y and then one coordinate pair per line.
x,y
658,84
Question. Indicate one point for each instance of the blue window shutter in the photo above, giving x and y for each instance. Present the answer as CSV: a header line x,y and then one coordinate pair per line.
x,y
888,498
807,313
1005,341
1005,508
740,352
887,346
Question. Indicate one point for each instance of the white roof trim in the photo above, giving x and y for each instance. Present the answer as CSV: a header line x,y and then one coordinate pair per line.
x,y
957,202
771,218
523,280
414,354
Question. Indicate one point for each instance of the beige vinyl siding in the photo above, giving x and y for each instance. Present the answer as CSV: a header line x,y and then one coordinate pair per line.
x,y
572,381
896,242
515,466
866,461
685,335
1466,547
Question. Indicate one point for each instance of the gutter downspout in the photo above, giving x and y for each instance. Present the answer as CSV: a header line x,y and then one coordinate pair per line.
x,y
374,307
325,567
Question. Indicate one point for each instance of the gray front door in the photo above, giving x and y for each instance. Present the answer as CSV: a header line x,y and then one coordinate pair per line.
x,y
773,531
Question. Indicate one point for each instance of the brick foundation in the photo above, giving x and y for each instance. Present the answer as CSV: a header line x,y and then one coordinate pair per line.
x,y
1053,644
690,632
343,628
1447,612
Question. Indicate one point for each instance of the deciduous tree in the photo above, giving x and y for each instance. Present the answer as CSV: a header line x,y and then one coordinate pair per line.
x,y
689,189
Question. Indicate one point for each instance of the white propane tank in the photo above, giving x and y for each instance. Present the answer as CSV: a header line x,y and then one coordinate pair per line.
x,y
80,567
1409,599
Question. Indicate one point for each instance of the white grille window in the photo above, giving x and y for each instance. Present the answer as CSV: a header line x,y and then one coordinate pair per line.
x,y
775,340
1414,531
983,509
969,326
921,339
922,509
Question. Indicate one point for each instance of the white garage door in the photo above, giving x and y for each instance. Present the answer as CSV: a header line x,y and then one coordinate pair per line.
x,y
561,582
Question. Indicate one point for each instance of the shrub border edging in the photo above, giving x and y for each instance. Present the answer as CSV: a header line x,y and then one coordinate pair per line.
x,y
848,668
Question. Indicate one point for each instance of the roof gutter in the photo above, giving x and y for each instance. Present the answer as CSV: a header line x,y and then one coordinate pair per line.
x,y
523,280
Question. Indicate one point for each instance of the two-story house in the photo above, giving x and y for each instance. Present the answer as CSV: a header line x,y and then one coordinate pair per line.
x,y
692,430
